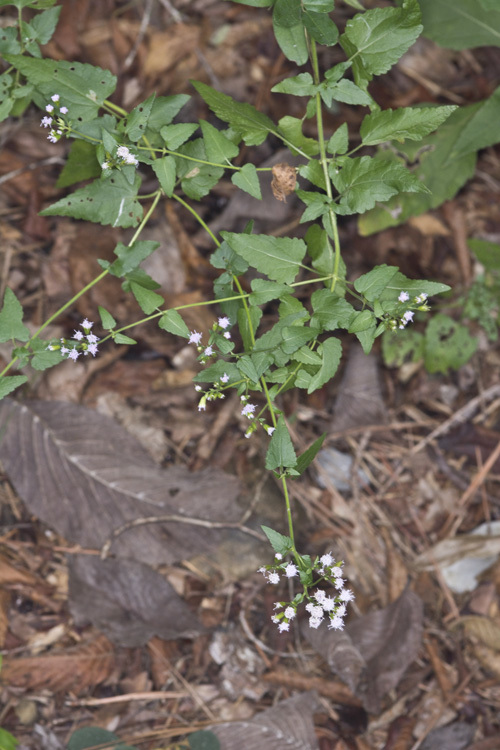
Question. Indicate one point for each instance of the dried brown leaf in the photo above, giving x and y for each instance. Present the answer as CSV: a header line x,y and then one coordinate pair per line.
x,y
10,575
74,669
128,601
483,628
286,726
85,476
284,181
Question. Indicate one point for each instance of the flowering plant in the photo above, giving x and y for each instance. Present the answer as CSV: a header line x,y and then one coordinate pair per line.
x,y
113,149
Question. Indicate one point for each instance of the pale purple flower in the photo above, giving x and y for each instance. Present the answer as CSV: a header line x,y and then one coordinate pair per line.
x,y
421,298
64,110
92,339
328,604
341,610
78,335
337,572
404,297
122,151
290,613
279,556
227,335
275,619
291,570
224,378
195,337
92,348
55,97
73,354
52,137
131,159
336,623
262,570
209,350
105,165
315,622
408,316
346,595
320,596
339,583
248,410
248,434
64,350
283,626
270,430
86,324
49,108
273,578
326,559
197,387
223,322
202,405
46,122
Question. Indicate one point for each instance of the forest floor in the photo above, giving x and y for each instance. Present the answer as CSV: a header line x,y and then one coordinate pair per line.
x,y
182,639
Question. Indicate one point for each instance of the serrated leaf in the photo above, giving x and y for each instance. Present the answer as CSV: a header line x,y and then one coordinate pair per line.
x,y
9,383
277,257
9,41
344,91
301,85
225,257
213,373
487,253
291,127
175,135
320,27
363,181
331,352
264,291
107,320
203,740
289,30
247,179
330,310
415,287
401,346
147,300
82,87
480,132
339,141
164,169
461,24
279,542
137,120
280,453
164,110
81,164
376,39
306,458
252,125
362,320
372,284
247,368
11,319
218,148
320,6
43,358
106,201
172,322
405,123
129,256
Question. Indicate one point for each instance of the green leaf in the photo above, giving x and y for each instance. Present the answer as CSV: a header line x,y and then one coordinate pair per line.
x,y
247,368
164,169
129,256
294,337
9,383
9,41
339,141
11,319
289,30
412,123
376,39
107,320
301,85
291,127
175,135
372,284
36,4
280,453
248,329
364,180
164,110
331,352
120,338
280,543
481,131
317,204
361,321
197,179
213,373
81,164
148,301
399,347
89,738
320,250
307,356
330,311
320,27
436,166
264,291
277,257
45,24
319,6
344,91
82,87
224,257
415,287
106,201
306,458
252,125
137,120
44,358
461,24
447,344
172,322
218,148
247,179
203,740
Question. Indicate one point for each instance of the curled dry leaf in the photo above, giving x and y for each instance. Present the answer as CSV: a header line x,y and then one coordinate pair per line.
x,y
372,654
84,475
74,669
286,726
284,181
128,601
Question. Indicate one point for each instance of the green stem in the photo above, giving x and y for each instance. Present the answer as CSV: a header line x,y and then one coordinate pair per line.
x,y
197,217
289,516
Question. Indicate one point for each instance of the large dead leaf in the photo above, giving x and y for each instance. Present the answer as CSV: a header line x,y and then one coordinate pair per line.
x,y
372,654
75,669
85,476
128,601
286,726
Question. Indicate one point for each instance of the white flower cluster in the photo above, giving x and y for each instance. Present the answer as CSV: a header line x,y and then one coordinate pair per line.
x,y
122,158
53,119
81,343
318,605
402,319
